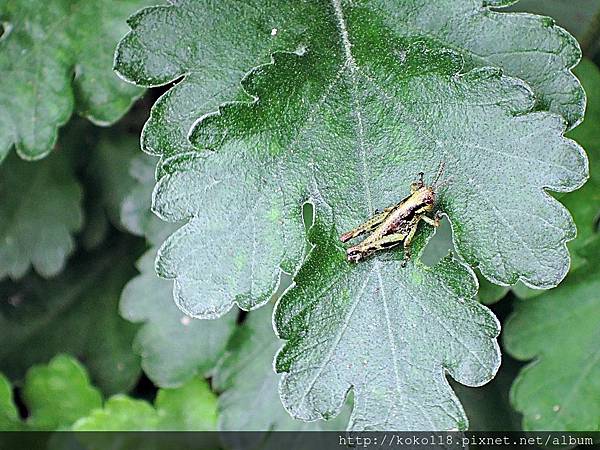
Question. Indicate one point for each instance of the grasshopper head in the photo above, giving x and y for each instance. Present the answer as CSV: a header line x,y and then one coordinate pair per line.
x,y
354,254
426,197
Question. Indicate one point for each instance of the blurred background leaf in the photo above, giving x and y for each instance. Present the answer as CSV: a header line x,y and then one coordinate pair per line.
x,y
174,347
40,210
75,313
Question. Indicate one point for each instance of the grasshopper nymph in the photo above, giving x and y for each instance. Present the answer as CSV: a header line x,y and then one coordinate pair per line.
x,y
397,224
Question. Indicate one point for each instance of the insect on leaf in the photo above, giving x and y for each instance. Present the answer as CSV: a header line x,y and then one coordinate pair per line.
x,y
346,121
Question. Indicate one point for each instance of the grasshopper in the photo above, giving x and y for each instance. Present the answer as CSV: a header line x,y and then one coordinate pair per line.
x,y
397,224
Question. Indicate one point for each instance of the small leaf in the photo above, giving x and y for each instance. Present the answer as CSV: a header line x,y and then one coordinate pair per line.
x,y
57,57
136,215
560,330
193,39
56,395
247,382
120,413
59,393
192,407
40,209
174,347
9,416
75,313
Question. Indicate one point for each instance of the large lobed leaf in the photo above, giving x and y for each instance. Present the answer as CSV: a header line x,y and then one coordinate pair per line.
x,y
56,57
195,183
375,92
56,395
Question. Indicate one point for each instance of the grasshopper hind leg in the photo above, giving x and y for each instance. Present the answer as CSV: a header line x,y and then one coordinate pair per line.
x,y
368,226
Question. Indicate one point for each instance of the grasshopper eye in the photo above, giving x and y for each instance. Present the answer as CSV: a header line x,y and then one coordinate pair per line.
x,y
353,254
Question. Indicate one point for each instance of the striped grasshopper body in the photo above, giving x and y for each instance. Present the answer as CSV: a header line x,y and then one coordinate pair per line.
x,y
397,224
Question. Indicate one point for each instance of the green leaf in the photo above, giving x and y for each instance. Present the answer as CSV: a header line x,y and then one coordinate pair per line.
x,y
247,382
9,416
59,393
375,122
584,204
560,330
192,407
120,413
108,169
76,313
193,39
386,331
346,122
40,209
136,215
174,347
56,395
56,58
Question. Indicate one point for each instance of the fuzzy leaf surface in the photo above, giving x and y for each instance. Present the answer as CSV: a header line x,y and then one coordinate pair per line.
x,y
560,328
191,407
389,333
346,122
192,39
365,107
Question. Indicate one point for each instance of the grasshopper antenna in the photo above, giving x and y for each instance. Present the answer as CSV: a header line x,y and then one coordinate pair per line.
x,y
439,175
437,186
